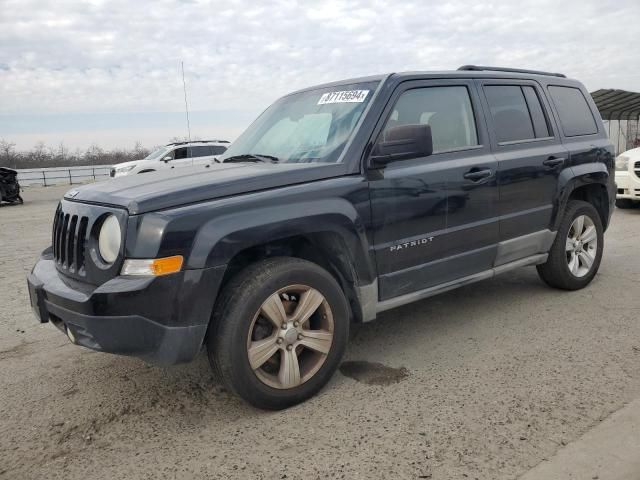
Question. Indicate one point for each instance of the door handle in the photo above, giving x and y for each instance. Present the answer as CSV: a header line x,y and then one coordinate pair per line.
x,y
475,175
553,162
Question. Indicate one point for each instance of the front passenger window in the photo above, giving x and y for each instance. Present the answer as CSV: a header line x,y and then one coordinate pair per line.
x,y
180,153
447,110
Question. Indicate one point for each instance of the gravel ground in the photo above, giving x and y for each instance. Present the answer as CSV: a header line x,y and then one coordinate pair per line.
x,y
490,380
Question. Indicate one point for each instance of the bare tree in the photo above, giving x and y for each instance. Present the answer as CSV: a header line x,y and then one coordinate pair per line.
x,y
93,153
7,151
63,152
61,156
139,151
178,139
40,153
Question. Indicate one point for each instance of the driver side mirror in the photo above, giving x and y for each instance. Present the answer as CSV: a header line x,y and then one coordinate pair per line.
x,y
167,159
402,143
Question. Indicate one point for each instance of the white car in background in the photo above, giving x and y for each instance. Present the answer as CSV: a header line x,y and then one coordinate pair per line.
x,y
628,178
174,155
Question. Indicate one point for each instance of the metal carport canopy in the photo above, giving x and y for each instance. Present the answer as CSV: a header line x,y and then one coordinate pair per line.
x,y
617,104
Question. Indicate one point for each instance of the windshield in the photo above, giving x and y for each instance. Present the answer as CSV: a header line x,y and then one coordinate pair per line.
x,y
157,153
310,126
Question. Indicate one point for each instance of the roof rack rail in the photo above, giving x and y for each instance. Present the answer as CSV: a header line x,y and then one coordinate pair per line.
x,y
480,68
185,142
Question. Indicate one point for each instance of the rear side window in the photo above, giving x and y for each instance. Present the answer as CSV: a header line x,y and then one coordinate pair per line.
x,y
574,112
517,113
446,109
539,119
201,151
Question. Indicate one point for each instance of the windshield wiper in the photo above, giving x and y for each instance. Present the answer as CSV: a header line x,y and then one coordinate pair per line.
x,y
251,157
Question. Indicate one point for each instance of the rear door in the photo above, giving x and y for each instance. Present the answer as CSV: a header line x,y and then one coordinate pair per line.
x,y
434,217
201,155
530,158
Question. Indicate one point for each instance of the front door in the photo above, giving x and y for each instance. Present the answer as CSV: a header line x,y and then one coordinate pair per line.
x,y
434,217
181,158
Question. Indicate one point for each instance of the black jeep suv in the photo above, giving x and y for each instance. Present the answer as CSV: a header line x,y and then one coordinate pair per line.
x,y
339,202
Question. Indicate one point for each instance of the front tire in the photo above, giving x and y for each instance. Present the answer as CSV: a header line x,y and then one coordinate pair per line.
x,y
576,252
279,332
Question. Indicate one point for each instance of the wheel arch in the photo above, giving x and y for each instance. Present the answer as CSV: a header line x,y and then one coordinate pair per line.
x,y
328,233
596,195
325,249
588,183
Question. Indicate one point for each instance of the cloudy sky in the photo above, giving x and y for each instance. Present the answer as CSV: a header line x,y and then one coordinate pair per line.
x,y
108,72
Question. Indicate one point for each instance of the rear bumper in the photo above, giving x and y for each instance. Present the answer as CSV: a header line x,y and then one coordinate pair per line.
x,y
628,186
162,320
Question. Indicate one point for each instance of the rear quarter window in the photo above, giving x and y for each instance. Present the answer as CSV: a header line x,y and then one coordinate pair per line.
x,y
575,115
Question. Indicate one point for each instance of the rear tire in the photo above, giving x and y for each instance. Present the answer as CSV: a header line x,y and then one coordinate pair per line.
x,y
269,365
574,257
625,203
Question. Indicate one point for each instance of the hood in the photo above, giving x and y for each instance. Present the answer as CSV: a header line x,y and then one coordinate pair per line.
x,y
633,153
171,188
126,164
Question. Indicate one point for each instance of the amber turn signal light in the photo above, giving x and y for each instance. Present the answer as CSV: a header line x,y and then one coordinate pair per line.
x,y
153,266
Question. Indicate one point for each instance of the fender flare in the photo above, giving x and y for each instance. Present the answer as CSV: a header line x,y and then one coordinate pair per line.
x,y
221,238
575,177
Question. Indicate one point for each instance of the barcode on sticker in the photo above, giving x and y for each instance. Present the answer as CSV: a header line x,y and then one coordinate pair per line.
x,y
346,96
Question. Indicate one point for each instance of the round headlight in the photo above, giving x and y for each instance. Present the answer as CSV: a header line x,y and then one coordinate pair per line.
x,y
109,239
622,163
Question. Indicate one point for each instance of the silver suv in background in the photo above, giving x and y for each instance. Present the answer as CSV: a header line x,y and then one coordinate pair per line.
x,y
174,155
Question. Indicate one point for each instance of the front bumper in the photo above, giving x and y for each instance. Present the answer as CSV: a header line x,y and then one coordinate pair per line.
x,y
162,320
628,186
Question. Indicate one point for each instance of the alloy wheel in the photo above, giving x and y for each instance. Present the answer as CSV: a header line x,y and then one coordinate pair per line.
x,y
290,336
581,246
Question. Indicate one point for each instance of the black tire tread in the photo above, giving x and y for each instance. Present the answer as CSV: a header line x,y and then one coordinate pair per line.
x,y
555,272
625,203
240,282
234,295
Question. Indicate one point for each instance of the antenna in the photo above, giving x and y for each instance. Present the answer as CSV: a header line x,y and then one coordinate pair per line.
x,y
186,106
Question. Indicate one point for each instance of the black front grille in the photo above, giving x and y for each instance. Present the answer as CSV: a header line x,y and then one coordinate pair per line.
x,y
75,236
70,241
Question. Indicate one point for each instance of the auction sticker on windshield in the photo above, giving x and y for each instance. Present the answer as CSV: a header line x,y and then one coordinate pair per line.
x,y
346,96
